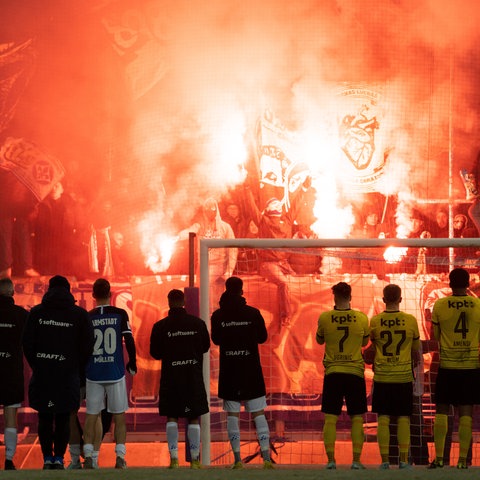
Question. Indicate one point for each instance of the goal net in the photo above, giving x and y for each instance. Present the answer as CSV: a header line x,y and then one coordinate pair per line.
x,y
291,358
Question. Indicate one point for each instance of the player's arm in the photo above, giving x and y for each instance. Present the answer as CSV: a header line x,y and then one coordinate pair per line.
x,y
369,352
185,233
436,329
216,329
205,337
156,350
320,336
29,340
262,333
131,351
366,330
87,340
129,344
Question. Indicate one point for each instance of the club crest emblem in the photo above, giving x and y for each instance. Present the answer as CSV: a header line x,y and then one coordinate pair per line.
x,y
359,123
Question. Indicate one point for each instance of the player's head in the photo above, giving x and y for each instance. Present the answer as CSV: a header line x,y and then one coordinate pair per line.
x,y
6,287
59,282
342,291
176,298
459,278
392,294
101,289
234,285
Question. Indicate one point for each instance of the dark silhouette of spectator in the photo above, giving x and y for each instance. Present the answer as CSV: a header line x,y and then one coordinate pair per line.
x,y
17,208
439,257
464,257
235,218
439,228
54,227
417,230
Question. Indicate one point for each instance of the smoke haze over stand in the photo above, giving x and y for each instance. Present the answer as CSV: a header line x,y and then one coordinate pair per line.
x,y
165,93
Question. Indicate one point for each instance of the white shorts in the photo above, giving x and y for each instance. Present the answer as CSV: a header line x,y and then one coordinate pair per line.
x,y
114,392
252,406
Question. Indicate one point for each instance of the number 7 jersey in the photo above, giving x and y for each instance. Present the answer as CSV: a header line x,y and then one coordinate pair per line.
x,y
343,332
393,334
457,319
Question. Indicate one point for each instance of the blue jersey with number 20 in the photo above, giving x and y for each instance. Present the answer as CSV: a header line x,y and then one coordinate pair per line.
x,y
106,363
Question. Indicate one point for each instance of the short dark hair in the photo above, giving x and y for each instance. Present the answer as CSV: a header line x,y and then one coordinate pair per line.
x,y
392,293
176,298
234,285
101,288
342,289
6,287
58,281
459,278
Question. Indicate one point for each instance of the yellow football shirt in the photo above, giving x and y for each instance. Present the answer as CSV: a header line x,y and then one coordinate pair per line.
x,y
456,321
343,332
394,334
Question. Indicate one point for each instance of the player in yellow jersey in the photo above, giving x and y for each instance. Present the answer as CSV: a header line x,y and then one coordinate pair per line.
x,y
395,336
456,326
344,332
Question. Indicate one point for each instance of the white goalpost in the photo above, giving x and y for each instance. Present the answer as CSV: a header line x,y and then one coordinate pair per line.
x,y
291,359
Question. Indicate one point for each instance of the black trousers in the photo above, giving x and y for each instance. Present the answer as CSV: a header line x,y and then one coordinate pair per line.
x,y
53,433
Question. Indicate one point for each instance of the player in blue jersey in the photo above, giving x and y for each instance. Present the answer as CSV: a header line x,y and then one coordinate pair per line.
x,y
106,372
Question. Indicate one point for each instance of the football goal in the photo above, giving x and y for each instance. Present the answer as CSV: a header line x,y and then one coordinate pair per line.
x,y
291,358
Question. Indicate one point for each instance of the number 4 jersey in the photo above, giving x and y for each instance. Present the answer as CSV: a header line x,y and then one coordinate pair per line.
x,y
458,319
393,334
106,362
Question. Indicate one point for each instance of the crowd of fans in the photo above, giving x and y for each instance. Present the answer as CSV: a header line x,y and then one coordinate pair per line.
x,y
91,237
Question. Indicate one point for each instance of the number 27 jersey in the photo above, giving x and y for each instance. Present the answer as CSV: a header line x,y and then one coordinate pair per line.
x,y
393,334
458,319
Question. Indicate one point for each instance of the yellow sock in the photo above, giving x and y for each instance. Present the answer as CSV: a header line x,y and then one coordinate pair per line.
x,y
357,437
403,436
330,435
464,436
440,429
383,436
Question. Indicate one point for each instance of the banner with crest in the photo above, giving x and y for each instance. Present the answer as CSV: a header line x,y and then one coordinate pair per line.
x,y
35,169
359,119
